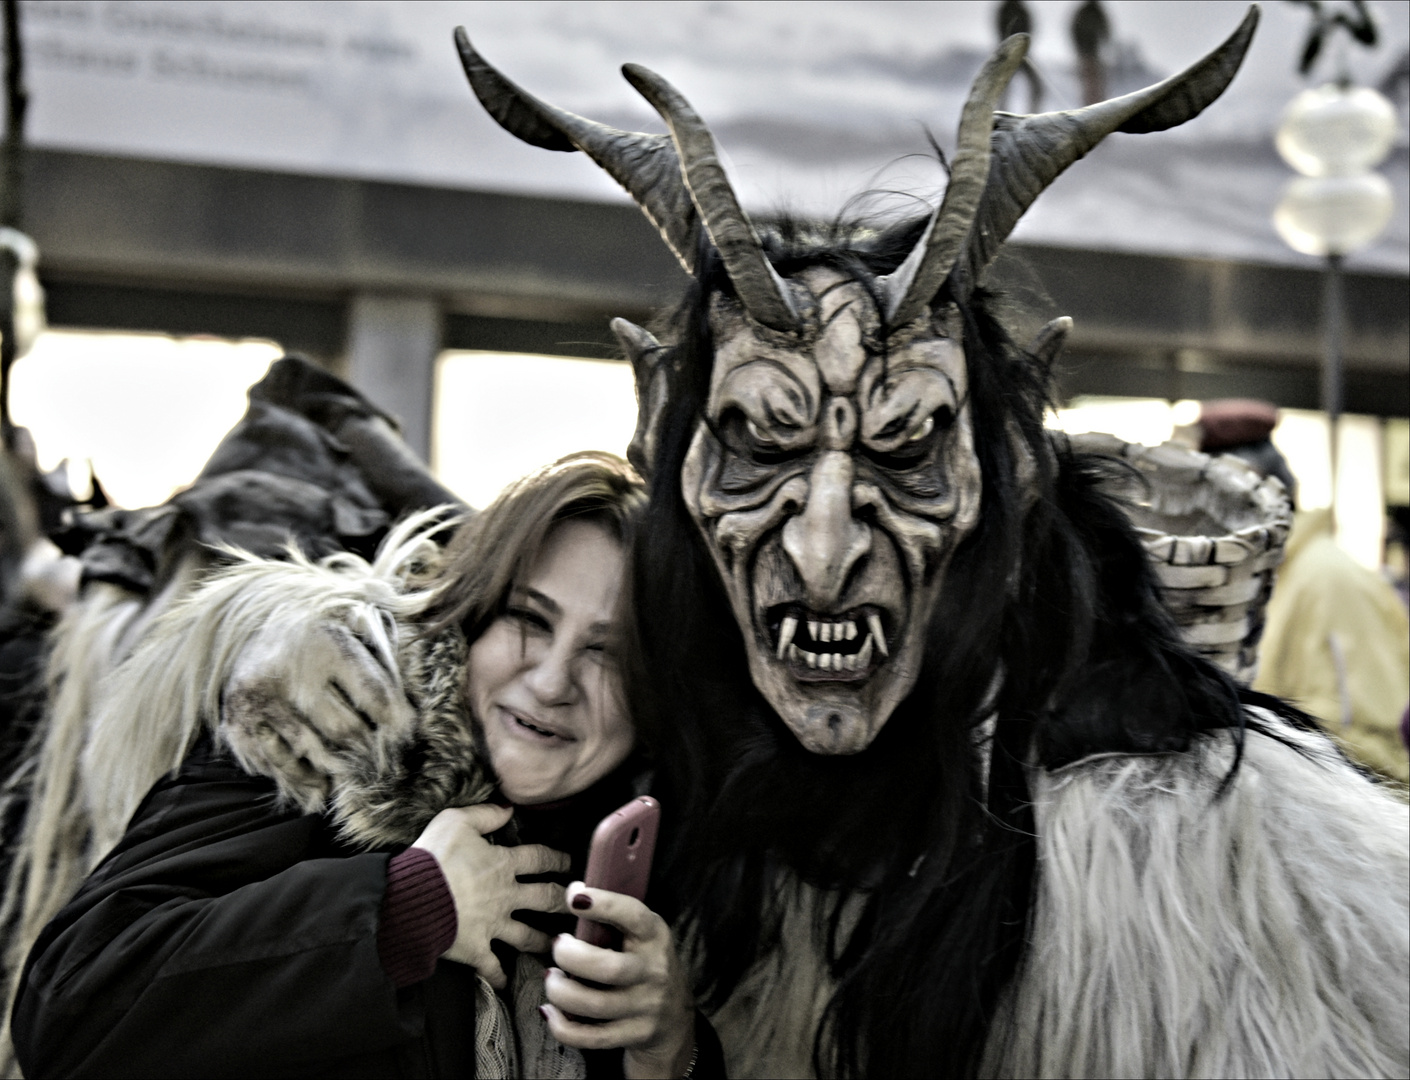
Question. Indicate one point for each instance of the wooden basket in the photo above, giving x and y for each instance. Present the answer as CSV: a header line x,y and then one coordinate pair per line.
x,y
1215,531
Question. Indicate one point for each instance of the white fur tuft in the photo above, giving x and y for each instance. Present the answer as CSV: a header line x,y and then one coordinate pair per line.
x,y
1264,932
1176,931
51,857
154,703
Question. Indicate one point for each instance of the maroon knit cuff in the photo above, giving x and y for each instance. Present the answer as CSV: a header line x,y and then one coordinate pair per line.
x,y
418,917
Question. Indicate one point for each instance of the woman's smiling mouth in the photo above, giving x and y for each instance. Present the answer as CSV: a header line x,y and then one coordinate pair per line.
x,y
526,728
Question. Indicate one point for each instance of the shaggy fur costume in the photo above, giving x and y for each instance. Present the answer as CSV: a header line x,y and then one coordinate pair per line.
x,y
1176,931
53,854
118,722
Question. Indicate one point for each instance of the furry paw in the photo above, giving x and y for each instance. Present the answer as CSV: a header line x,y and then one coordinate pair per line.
x,y
443,763
310,695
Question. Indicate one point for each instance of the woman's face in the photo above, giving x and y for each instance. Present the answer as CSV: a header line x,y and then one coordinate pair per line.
x,y
541,681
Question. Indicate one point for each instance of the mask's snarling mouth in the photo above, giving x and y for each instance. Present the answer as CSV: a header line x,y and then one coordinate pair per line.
x,y
846,647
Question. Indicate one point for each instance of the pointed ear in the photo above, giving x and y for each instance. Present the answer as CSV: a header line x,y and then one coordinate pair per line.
x,y
645,353
1047,345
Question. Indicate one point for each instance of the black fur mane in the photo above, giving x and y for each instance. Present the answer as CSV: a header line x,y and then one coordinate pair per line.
x,y
1051,601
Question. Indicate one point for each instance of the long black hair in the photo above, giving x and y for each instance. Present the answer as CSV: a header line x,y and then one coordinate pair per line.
x,y
1049,620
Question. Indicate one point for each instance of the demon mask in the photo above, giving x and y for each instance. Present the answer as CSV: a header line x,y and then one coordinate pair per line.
x,y
834,472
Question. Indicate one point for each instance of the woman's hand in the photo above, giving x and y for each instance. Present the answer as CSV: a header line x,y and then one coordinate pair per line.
x,y
645,1002
482,880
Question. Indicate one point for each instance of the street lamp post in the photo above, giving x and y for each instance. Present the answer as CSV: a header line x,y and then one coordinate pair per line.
x,y
1335,135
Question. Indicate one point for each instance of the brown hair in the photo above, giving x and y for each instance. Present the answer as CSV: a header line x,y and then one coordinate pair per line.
x,y
493,550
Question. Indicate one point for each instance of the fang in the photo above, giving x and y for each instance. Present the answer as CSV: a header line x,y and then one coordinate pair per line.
x,y
874,624
785,635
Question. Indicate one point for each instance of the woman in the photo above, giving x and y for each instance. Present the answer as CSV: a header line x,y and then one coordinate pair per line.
x,y
228,933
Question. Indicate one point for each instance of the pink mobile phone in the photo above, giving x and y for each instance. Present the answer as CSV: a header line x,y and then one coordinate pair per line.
x,y
620,861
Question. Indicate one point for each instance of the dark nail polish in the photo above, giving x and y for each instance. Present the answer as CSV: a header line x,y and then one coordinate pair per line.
x,y
582,902
543,1011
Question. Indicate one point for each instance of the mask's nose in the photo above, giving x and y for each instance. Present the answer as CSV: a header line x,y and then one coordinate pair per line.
x,y
825,540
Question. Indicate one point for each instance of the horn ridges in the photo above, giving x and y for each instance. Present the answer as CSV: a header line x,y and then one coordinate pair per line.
x,y
1003,163
645,165
762,292
1030,152
908,290
644,352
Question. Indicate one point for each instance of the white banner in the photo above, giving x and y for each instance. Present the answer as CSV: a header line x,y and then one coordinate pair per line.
x,y
814,103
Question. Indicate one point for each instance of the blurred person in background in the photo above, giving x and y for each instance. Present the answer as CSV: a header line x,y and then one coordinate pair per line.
x,y
1337,639
1091,31
38,583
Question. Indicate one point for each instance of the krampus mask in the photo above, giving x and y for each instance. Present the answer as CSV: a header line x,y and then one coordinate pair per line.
x,y
833,472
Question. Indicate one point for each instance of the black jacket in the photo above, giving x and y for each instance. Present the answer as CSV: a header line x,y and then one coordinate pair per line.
x,y
224,937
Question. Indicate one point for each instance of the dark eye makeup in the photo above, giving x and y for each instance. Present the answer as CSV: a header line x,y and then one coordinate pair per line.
x,y
529,618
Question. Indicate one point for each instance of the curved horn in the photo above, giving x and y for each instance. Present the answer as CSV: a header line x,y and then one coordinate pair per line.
x,y
760,289
1030,152
646,165
908,289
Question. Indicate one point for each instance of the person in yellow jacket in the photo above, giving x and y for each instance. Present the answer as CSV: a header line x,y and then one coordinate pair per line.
x,y
1336,642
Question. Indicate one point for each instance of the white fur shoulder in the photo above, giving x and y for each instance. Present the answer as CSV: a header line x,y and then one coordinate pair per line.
x,y
1178,931
314,674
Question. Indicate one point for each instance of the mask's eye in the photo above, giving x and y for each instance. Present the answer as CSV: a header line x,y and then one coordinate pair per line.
x,y
758,438
922,431
748,440
916,444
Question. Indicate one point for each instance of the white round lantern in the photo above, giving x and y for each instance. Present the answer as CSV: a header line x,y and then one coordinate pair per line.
x,y
1333,215
1336,130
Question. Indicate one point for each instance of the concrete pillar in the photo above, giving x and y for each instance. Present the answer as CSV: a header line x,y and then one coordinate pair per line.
x,y
392,346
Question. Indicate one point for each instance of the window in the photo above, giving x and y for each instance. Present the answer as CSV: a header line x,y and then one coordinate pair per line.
x,y
146,409
499,416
